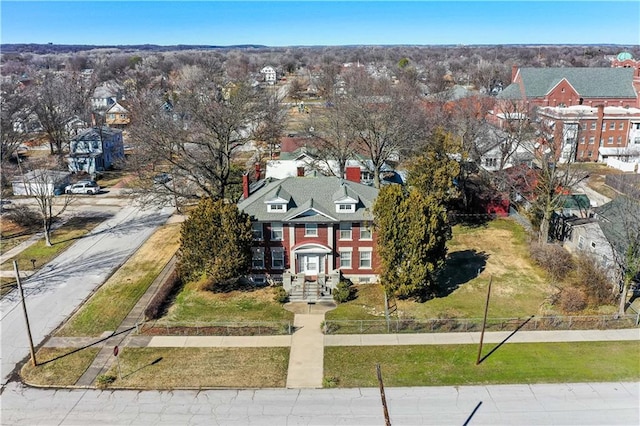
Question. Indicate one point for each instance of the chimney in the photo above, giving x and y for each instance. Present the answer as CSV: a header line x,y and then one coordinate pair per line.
x,y
300,171
258,172
245,185
514,71
353,173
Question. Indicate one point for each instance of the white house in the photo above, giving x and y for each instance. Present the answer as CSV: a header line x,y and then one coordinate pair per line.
x,y
269,74
40,182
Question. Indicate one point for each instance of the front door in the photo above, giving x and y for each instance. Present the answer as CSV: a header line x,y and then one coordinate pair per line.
x,y
311,264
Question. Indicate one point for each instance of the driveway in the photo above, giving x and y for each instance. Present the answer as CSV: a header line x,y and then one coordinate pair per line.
x,y
58,288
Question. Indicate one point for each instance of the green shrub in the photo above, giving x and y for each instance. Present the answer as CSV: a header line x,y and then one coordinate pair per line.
x,y
280,295
344,292
104,380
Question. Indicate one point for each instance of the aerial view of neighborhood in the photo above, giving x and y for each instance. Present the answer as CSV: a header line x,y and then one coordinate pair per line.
x,y
332,234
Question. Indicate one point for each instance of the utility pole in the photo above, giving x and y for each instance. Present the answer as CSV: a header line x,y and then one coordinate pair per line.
x,y
484,322
26,317
387,422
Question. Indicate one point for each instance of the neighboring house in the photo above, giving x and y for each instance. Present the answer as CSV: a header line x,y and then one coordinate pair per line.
x,y
40,182
105,95
311,229
117,115
620,221
96,149
269,74
584,235
577,205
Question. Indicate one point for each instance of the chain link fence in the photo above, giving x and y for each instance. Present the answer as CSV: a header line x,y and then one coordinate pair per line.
x,y
448,325
245,328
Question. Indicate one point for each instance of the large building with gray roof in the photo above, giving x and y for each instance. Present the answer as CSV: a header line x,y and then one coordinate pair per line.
x,y
312,226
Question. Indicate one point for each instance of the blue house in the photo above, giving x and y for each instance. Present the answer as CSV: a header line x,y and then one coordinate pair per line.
x,y
96,149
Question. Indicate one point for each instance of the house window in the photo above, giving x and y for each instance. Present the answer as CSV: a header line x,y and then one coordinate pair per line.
x,y
593,125
621,125
346,208
610,140
345,230
612,125
636,141
589,154
276,232
365,260
257,258
277,258
592,139
112,116
619,140
490,162
276,208
580,242
310,229
256,229
593,244
365,231
345,259
582,140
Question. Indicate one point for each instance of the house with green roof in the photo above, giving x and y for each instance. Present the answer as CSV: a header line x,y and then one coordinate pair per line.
x,y
313,229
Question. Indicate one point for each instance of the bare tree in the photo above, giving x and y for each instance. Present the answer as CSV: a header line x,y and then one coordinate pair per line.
x,y
385,120
200,132
40,185
15,112
555,154
55,100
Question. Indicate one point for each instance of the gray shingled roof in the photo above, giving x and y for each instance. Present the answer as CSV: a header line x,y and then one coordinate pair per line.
x,y
619,220
588,82
317,193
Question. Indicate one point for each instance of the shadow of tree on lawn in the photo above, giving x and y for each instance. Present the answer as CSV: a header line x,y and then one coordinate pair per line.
x,y
460,267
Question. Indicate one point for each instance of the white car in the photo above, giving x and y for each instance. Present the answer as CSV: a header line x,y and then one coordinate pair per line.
x,y
83,187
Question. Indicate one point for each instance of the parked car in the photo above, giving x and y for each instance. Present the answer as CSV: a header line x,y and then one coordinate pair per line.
x,y
83,187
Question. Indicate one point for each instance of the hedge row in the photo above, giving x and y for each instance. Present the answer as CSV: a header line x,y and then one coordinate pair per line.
x,y
157,303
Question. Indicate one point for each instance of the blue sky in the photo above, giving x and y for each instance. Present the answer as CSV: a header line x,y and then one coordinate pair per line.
x,y
293,23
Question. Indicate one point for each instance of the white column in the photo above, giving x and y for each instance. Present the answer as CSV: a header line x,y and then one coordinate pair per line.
x,y
330,242
292,242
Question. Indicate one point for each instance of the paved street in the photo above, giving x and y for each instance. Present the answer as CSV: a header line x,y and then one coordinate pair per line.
x,y
545,404
60,286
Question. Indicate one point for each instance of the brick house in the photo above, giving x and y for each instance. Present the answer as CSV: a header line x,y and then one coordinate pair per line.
x,y
311,229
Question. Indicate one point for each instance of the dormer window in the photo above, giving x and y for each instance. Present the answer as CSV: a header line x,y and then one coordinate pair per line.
x,y
345,208
276,207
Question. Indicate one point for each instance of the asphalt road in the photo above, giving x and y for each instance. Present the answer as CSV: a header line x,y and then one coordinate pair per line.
x,y
54,292
557,404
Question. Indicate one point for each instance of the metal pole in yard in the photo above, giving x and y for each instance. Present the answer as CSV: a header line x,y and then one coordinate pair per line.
x,y
387,421
484,322
26,317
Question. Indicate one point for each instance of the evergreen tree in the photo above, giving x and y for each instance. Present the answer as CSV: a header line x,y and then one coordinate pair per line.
x,y
412,225
215,243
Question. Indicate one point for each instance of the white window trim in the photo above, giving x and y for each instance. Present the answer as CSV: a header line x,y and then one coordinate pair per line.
x,y
370,238
351,208
350,238
254,231
342,253
273,257
310,234
276,208
259,251
277,225
360,252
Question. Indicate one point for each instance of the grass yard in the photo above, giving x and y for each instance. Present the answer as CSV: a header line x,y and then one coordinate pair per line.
x,y
64,371
61,239
193,305
454,365
174,368
498,249
108,307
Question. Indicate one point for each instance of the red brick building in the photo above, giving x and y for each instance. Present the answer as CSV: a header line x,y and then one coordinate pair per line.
x,y
317,228
596,133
